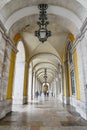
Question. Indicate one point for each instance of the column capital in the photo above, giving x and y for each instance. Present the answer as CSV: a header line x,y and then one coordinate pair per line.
x,y
80,36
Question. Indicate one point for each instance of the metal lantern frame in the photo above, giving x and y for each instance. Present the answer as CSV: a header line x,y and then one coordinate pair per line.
x,y
43,33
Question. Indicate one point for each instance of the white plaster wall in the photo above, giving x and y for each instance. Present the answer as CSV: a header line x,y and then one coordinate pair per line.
x,y
81,105
19,75
18,84
81,71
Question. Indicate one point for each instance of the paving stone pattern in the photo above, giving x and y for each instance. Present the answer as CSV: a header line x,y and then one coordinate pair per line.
x,y
43,115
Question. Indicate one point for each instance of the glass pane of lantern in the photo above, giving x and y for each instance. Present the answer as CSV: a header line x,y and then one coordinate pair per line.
x,y
42,33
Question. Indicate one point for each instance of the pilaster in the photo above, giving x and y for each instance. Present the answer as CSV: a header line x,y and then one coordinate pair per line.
x,y
81,48
30,83
6,46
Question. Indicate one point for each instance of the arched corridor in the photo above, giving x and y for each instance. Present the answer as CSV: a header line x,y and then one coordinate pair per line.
x,y
43,64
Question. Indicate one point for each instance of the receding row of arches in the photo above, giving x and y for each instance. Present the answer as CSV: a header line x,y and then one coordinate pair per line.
x,y
24,59
18,83
21,80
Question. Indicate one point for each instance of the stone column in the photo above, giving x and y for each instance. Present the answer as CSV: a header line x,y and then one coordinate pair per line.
x,y
34,85
38,86
54,87
80,46
30,83
66,85
26,75
85,62
4,104
60,90
57,86
61,85
82,69
2,49
6,46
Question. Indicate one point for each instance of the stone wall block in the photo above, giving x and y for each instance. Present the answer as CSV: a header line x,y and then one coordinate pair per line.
x,y
2,44
6,46
1,56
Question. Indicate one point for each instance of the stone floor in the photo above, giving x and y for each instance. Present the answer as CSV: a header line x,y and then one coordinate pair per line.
x,y
47,114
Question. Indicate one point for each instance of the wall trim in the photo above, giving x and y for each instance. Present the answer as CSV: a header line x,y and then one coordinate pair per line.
x,y
80,36
6,37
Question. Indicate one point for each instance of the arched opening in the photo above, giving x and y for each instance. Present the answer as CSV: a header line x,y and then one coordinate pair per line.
x,y
46,89
18,84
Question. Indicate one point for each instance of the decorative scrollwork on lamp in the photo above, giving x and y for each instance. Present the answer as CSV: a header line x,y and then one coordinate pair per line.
x,y
45,75
42,33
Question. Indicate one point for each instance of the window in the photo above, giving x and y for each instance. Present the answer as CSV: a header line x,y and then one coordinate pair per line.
x,y
69,54
72,82
70,57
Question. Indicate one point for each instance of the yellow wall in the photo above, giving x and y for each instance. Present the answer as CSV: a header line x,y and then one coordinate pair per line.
x,y
11,73
26,73
70,36
25,80
67,81
64,85
16,38
67,72
11,69
64,80
69,84
76,75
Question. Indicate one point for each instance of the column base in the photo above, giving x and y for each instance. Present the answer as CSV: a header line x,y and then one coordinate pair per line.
x,y
5,107
20,101
25,100
29,99
61,98
82,109
66,100
73,101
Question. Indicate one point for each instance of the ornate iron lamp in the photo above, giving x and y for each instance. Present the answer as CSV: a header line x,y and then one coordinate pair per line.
x,y
42,33
45,75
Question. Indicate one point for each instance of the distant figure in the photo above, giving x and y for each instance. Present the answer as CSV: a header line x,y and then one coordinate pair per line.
x,y
52,94
47,94
36,94
40,93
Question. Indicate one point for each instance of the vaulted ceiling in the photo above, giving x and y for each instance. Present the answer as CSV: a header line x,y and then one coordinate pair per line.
x,y
65,17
